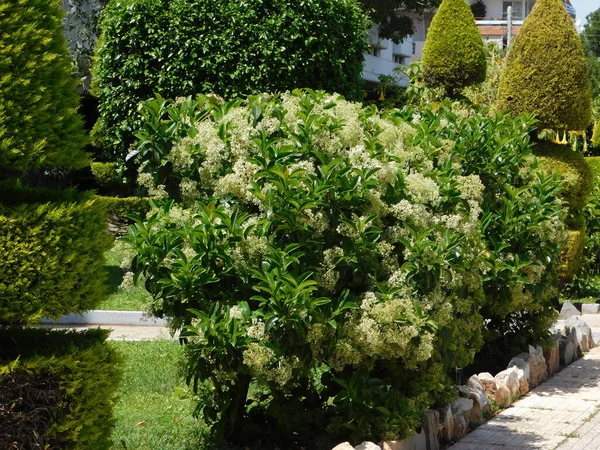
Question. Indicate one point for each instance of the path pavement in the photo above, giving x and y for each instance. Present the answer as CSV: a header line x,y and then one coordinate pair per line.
x,y
121,332
563,413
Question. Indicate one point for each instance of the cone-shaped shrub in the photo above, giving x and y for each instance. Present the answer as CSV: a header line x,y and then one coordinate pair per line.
x,y
454,54
545,72
39,124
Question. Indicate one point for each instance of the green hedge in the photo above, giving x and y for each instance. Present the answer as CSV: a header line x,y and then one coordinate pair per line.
x,y
183,47
39,124
106,174
573,169
545,71
56,389
572,257
454,55
124,206
52,251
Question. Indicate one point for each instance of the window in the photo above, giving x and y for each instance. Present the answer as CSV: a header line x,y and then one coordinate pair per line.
x,y
375,51
517,9
414,48
400,59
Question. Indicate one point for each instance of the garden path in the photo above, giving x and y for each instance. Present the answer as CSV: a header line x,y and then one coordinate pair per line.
x,y
563,413
122,332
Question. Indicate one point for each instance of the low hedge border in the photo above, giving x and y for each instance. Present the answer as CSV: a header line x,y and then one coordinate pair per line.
x,y
66,383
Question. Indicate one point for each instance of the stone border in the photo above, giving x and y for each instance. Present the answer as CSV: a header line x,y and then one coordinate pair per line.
x,y
447,424
98,317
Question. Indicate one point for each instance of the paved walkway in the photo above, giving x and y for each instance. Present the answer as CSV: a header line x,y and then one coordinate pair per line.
x,y
563,413
122,332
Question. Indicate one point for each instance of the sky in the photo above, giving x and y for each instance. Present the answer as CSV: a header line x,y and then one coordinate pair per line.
x,y
584,7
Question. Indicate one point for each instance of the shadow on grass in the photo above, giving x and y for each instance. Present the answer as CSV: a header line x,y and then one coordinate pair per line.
x,y
115,278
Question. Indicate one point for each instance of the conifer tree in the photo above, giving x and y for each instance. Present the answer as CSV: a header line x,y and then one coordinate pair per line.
x,y
545,71
454,53
39,123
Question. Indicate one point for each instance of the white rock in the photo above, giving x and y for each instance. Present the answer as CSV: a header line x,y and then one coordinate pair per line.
x,y
510,379
583,333
446,428
343,446
415,442
366,445
475,383
503,396
568,310
431,425
552,358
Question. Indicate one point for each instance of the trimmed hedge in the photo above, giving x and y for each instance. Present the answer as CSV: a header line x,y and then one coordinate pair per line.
x,y
454,55
124,206
573,169
39,123
106,174
183,47
572,257
56,389
545,71
52,253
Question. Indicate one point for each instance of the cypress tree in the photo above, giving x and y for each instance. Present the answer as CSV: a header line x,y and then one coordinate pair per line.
x,y
545,71
454,53
39,123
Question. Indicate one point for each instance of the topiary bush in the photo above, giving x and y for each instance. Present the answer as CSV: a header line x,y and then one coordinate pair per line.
x,y
52,251
545,71
454,54
329,263
182,47
585,282
39,124
57,389
573,169
106,174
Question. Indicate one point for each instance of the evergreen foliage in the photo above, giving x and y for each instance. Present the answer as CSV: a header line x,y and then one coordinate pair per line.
x,y
309,232
59,388
591,33
39,124
573,169
454,55
52,261
182,47
545,71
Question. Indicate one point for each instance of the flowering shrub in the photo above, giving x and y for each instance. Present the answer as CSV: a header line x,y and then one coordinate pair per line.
x,y
522,221
182,47
331,259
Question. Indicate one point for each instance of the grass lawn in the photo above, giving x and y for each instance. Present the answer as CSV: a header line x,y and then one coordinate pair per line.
x,y
154,410
131,298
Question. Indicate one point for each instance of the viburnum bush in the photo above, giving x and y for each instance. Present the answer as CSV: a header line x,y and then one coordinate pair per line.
x,y
522,222
327,262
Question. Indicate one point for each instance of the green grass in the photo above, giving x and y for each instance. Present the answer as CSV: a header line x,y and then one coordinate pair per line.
x,y
130,298
155,408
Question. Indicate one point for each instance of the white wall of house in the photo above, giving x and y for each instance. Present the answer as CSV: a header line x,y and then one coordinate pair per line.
x,y
385,57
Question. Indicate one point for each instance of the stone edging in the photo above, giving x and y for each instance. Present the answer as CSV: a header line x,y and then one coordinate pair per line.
x,y
449,423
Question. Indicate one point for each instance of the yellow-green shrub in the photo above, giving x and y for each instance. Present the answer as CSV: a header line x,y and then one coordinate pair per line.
x,y
123,206
454,55
576,175
59,387
39,124
106,174
51,251
571,258
545,71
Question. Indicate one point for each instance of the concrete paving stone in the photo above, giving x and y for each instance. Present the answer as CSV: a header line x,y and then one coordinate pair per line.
x,y
122,333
